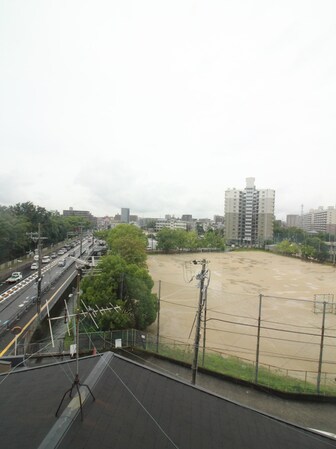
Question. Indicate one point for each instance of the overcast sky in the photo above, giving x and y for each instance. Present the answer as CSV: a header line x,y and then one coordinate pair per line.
x,y
160,106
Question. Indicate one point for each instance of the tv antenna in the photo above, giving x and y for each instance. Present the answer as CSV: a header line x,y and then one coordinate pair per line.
x,y
76,384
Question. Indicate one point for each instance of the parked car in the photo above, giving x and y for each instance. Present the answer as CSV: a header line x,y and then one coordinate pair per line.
x,y
60,252
34,266
15,277
46,259
36,257
53,255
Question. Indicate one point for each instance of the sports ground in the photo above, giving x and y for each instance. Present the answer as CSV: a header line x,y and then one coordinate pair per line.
x,y
295,336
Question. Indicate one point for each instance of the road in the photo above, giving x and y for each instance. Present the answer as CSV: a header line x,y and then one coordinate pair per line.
x,y
18,299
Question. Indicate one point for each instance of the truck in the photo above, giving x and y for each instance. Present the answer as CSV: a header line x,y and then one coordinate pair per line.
x,y
16,276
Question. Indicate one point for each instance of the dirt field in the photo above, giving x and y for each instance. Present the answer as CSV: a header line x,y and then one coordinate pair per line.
x,y
290,332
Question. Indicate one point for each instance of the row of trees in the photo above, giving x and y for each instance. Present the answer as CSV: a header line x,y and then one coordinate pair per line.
x,y
122,279
312,248
297,242
177,240
16,222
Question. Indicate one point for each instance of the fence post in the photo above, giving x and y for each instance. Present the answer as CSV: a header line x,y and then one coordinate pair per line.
x,y
305,384
158,319
258,341
321,350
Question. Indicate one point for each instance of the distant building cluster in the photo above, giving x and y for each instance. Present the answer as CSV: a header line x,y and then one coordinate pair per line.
x,y
249,215
248,218
186,222
110,222
316,220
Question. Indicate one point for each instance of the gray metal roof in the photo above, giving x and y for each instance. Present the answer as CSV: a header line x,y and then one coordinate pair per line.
x,y
134,407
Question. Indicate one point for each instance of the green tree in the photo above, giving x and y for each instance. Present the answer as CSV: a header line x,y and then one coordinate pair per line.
x,y
167,240
181,238
75,223
288,248
192,240
320,252
33,214
129,242
14,241
18,220
308,252
127,286
199,228
212,239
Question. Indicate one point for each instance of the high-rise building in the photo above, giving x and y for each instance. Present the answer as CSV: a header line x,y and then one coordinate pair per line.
x,y
293,221
125,215
320,220
249,214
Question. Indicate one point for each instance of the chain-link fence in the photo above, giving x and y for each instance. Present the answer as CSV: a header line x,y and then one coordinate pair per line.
x,y
271,376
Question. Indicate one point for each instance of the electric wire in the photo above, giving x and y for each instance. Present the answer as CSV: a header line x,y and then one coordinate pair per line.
x,y
270,328
136,399
246,317
264,336
12,371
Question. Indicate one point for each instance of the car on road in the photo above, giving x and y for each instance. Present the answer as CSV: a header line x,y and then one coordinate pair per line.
x,y
60,252
62,263
36,257
53,255
46,259
15,277
34,266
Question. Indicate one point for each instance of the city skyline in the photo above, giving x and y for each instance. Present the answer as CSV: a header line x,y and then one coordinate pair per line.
x,y
103,106
116,211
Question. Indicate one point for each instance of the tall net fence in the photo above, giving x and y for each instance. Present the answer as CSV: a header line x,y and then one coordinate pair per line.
x,y
275,335
270,375
324,303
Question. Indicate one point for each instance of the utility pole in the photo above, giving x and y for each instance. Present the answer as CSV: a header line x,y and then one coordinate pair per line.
x,y
202,296
36,237
204,325
81,241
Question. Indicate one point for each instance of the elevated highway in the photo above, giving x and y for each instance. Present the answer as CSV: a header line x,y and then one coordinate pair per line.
x,y
18,303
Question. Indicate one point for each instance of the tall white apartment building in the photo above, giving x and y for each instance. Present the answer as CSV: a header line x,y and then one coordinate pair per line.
x,y
249,214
